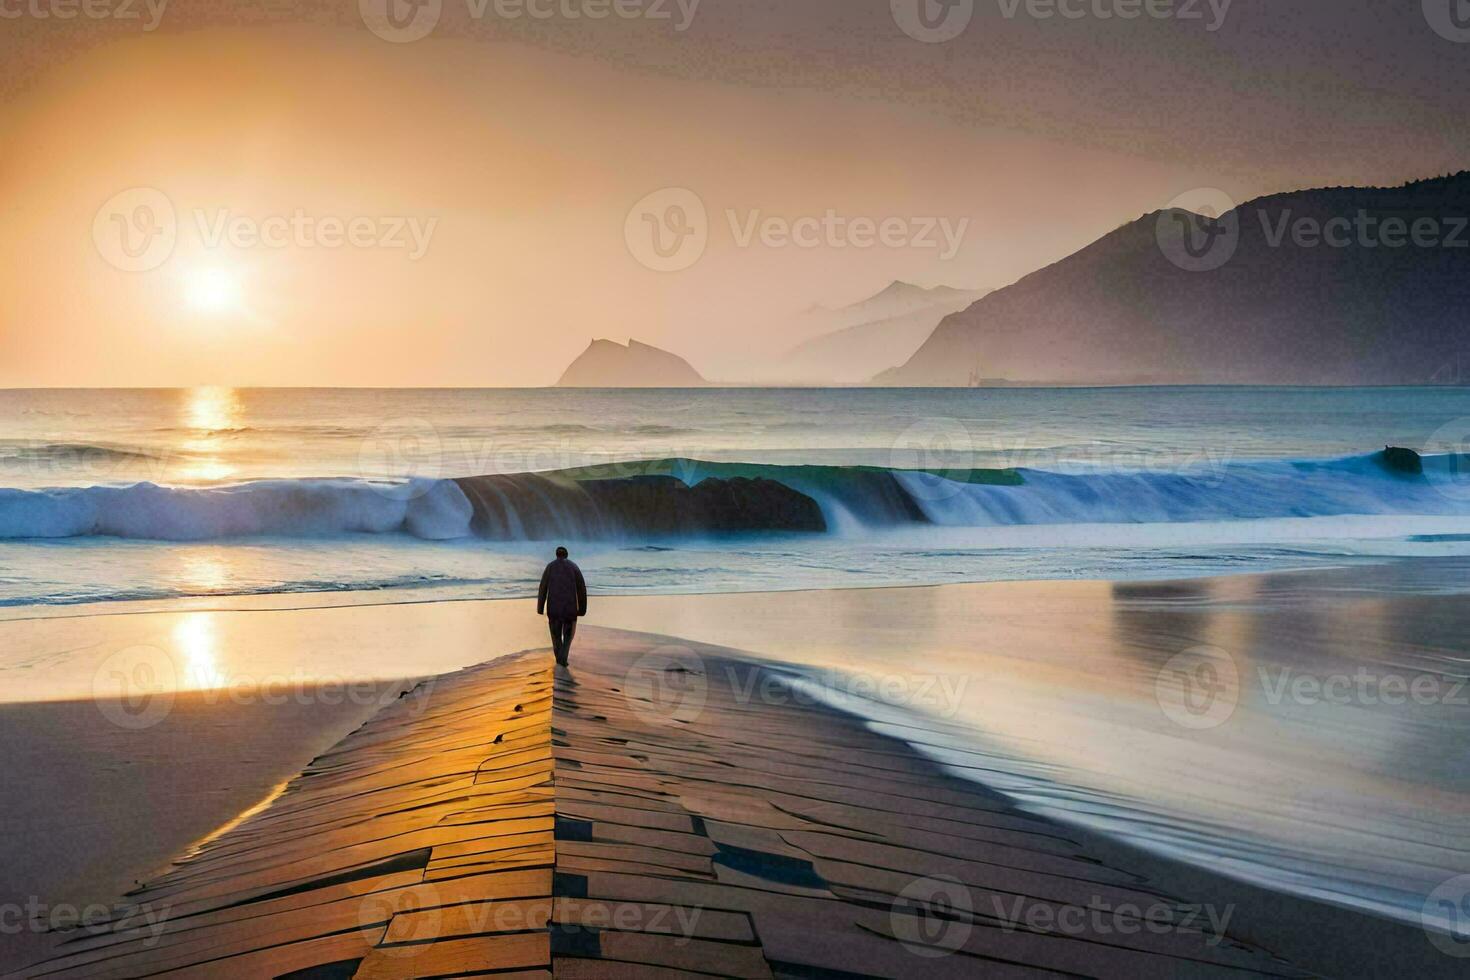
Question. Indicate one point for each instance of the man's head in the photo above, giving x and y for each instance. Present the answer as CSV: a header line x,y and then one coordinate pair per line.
x,y
562,553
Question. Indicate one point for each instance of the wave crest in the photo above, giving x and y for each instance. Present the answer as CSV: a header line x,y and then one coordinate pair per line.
x,y
683,497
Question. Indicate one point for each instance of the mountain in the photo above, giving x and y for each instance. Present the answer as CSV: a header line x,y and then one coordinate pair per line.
x,y
608,364
898,298
866,337
1339,285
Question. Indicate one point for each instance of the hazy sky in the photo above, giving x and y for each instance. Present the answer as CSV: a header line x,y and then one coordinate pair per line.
x,y
277,193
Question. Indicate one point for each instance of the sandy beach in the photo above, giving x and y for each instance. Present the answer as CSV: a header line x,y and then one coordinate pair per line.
x,y
1042,648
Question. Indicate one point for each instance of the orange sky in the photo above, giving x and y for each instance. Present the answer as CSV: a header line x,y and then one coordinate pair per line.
x,y
487,179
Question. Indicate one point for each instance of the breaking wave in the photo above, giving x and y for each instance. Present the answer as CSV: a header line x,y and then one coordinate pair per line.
x,y
678,497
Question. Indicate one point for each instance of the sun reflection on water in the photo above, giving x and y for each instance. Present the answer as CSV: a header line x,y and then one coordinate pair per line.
x,y
211,414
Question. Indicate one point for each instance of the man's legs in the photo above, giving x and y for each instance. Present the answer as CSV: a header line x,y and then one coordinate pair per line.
x,y
570,627
562,631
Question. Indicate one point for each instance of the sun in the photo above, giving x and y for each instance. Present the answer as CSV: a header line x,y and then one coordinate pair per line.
x,y
212,290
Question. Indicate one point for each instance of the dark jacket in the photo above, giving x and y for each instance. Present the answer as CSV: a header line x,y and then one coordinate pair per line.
x,y
563,592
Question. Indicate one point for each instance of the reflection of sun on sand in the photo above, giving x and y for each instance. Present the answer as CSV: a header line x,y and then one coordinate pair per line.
x,y
642,811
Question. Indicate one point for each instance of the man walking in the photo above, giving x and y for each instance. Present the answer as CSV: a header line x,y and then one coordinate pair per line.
x,y
563,598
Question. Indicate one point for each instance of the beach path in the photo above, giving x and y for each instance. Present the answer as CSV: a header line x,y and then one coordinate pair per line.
x,y
661,809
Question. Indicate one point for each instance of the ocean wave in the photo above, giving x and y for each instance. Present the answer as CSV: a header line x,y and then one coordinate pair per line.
x,y
432,510
29,452
684,497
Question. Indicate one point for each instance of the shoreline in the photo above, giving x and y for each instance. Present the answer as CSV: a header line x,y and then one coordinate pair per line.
x,y
786,620
358,598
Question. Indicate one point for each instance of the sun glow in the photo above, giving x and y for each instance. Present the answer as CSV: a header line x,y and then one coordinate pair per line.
x,y
212,290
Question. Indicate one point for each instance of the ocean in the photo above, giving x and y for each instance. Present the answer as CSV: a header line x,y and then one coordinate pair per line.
x,y
156,494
